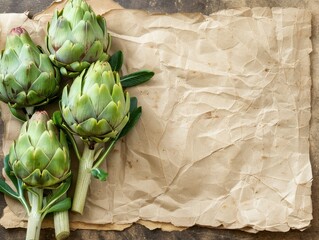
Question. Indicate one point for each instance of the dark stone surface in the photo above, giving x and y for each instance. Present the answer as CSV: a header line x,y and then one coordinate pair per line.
x,y
20,6
195,233
206,6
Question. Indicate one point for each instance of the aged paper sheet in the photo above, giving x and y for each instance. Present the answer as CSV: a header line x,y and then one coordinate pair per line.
x,y
224,136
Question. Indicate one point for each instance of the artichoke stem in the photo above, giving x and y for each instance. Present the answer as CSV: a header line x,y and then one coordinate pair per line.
x,y
61,224
35,218
83,179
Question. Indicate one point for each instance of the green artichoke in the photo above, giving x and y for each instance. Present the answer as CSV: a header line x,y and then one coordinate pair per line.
x,y
27,76
40,155
95,107
76,37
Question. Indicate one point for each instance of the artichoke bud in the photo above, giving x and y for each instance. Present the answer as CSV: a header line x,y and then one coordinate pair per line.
x,y
76,37
27,76
95,107
40,155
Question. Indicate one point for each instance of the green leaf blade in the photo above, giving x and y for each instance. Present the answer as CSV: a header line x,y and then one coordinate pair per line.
x,y
17,113
133,104
136,78
6,189
134,117
57,118
9,172
116,61
99,173
60,206
52,200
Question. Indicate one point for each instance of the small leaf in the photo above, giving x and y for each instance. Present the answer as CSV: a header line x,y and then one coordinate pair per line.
x,y
133,102
57,118
9,172
136,78
134,117
17,113
61,189
116,61
6,189
57,194
99,173
61,206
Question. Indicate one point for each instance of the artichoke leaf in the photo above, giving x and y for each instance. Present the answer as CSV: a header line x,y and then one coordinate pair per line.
x,y
63,54
10,57
58,30
102,23
58,160
100,96
58,121
45,64
118,94
96,49
49,144
84,109
108,79
93,127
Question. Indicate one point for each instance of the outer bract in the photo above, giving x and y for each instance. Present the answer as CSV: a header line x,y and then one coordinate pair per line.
x,y
40,155
27,76
76,38
95,107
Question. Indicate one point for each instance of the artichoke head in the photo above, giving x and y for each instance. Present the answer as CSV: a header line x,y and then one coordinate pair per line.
x,y
27,76
95,107
76,37
40,155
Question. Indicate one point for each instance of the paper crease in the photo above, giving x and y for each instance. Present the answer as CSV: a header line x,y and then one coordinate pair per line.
x,y
224,136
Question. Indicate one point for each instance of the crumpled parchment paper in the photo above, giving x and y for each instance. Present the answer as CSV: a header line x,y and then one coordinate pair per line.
x,y
224,136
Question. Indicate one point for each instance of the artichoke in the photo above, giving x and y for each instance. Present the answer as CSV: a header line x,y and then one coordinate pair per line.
x,y
95,107
76,37
27,76
40,155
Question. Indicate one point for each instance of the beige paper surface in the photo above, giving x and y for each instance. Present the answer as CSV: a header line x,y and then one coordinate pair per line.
x,y
224,136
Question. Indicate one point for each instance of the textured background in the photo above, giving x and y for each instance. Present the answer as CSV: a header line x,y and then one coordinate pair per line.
x,y
206,7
